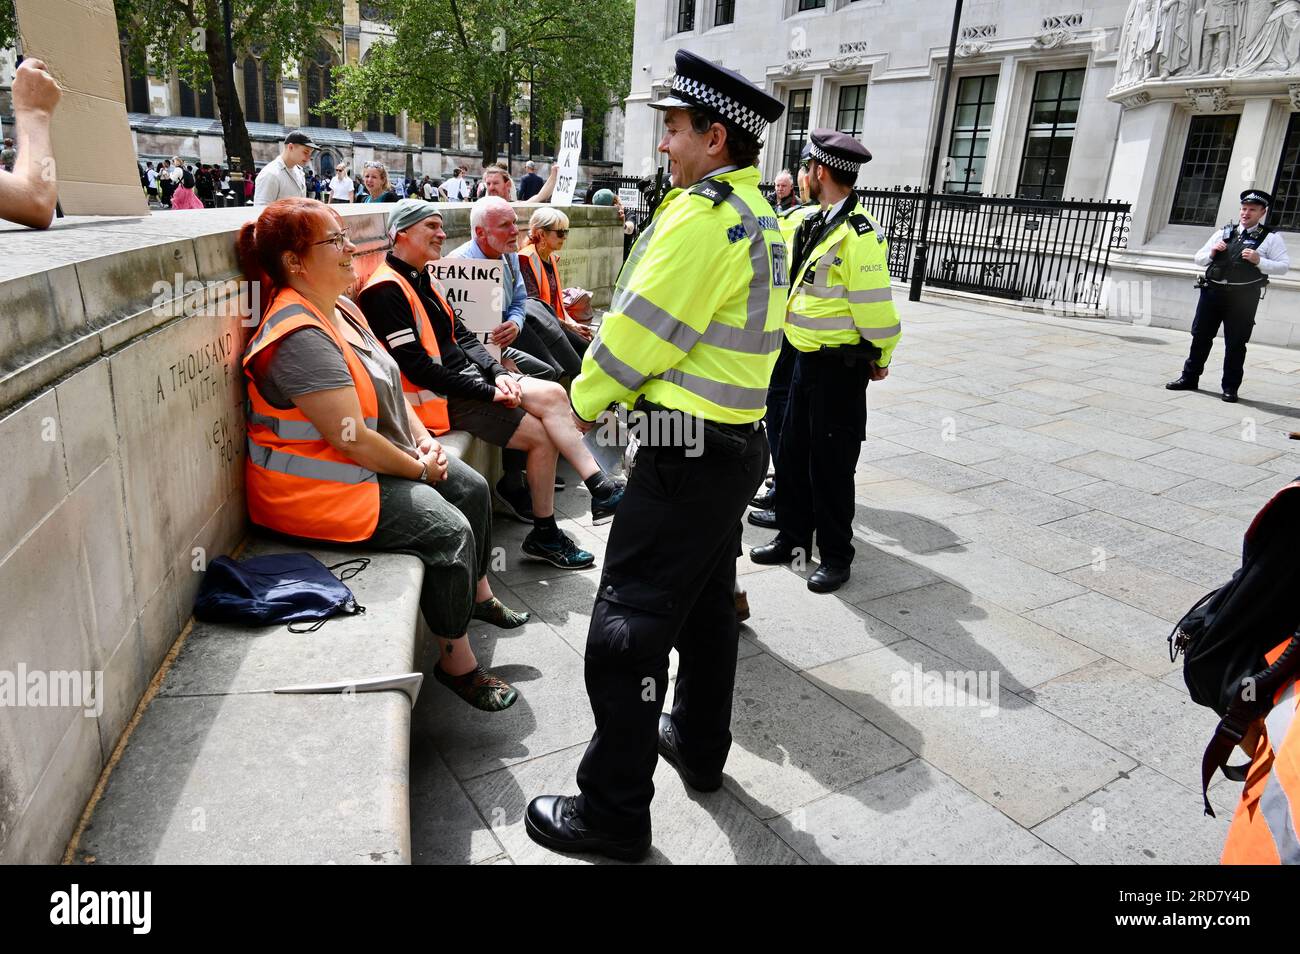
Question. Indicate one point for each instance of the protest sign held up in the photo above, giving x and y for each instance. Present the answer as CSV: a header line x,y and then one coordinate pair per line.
x,y
570,146
474,290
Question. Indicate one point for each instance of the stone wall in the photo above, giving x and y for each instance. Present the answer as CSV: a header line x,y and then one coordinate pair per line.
x,y
122,427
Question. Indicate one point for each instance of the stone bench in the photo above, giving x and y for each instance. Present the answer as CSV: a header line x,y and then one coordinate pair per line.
x,y
220,770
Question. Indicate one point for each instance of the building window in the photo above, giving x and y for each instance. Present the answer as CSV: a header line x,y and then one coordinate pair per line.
x,y
197,104
796,127
724,12
1284,213
270,93
853,106
968,144
381,124
444,131
430,135
252,96
320,85
1050,135
811,5
685,16
1204,170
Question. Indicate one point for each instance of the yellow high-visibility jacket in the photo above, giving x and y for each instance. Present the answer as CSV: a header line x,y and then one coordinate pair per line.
x,y
790,220
843,294
696,320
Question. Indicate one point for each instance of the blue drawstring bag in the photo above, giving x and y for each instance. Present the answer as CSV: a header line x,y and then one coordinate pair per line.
x,y
277,588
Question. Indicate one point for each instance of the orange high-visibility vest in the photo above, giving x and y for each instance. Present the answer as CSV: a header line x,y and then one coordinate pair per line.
x,y
430,408
296,481
552,296
1263,830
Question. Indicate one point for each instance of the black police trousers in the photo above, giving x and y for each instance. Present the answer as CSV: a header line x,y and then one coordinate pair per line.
x,y
778,395
821,438
668,582
1233,308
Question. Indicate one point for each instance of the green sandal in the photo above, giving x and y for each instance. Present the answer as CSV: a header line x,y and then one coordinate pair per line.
x,y
479,688
493,611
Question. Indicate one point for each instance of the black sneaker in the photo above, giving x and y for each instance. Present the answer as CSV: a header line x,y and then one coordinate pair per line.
x,y
561,552
559,483
1230,397
518,502
602,508
1183,383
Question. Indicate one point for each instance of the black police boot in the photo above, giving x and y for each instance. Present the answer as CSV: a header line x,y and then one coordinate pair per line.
x,y
828,579
762,518
764,501
1230,397
773,554
553,822
668,749
1183,383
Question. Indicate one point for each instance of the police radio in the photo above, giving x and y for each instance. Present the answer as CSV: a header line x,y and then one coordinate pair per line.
x,y
1216,268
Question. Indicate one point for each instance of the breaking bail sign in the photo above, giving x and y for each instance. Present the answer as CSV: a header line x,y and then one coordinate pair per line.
x,y
474,289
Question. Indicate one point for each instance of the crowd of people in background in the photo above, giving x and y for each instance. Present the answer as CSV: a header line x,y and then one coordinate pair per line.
x,y
176,184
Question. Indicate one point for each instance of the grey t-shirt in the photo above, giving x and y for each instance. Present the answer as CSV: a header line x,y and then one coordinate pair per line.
x,y
308,360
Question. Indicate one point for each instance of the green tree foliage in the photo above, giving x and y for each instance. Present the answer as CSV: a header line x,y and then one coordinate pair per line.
x,y
472,56
8,24
188,36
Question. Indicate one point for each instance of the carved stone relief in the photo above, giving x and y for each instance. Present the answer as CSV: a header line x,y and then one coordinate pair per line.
x,y
1164,39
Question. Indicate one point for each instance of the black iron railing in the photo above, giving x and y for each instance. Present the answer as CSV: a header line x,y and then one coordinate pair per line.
x,y
1036,249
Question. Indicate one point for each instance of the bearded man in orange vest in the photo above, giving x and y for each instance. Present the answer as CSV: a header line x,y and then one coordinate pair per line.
x,y
452,382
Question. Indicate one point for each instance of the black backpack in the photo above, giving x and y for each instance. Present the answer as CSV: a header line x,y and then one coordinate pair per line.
x,y
1226,635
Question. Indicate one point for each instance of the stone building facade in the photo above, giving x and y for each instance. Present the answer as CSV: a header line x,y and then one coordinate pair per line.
x,y
1174,106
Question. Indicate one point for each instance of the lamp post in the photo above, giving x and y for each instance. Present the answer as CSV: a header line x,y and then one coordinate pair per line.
x,y
922,247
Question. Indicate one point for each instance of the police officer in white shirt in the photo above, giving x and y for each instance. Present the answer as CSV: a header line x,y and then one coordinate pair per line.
x,y
282,177
1239,258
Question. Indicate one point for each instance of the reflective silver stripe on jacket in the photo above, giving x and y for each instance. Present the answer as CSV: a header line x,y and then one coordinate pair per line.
x,y
861,296
724,395
760,286
1274,803
272,323
423,396
843,323
821,279
615,367
309,467
296,430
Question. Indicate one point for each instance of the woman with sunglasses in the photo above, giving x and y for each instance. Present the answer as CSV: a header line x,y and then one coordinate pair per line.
x,y
335,452
548,229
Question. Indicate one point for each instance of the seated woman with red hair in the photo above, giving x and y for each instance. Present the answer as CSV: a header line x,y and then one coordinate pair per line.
x,y
335,452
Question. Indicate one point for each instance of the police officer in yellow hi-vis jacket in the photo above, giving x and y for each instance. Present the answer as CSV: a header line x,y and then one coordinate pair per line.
x,y
688,343
842,323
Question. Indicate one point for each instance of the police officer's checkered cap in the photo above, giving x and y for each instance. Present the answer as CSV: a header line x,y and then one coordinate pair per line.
x,y
742,116
835,162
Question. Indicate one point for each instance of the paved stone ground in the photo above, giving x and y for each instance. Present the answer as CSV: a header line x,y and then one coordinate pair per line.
x,y
1032,504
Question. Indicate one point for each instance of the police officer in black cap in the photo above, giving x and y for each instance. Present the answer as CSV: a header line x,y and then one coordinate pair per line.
x,y
693,330
1239,258
843,327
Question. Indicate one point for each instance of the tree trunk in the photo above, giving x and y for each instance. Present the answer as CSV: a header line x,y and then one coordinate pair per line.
x,y
487,133
233,128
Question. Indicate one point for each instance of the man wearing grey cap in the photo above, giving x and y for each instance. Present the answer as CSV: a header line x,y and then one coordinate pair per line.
x,y
282,177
